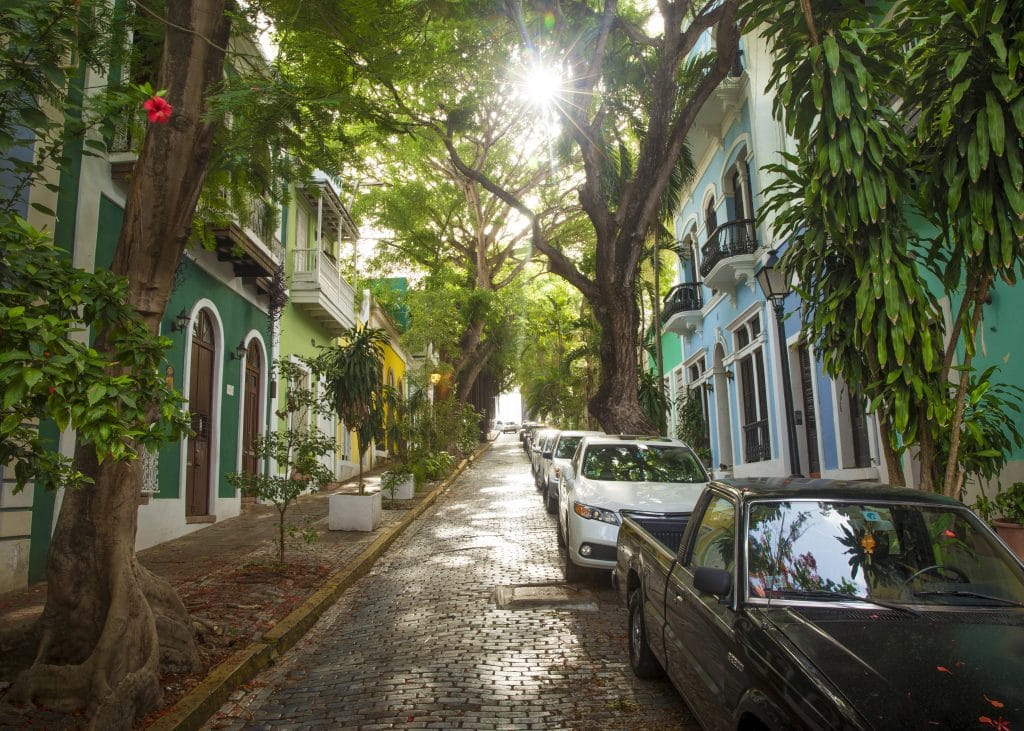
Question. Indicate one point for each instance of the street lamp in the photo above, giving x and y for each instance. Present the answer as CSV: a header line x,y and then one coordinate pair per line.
x,y
774,283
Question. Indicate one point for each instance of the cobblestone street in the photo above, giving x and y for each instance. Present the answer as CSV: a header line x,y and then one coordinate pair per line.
x,y
421,642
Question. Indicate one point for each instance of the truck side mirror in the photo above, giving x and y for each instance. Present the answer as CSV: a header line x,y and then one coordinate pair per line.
x,y
709,580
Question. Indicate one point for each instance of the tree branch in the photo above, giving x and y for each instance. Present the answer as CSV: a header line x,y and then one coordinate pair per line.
x,y
557,261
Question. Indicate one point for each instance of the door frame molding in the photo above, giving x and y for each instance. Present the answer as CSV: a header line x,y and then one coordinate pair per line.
x,y
262,396
215,404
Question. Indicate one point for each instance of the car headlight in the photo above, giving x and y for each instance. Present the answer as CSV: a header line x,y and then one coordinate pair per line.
x,y
591,513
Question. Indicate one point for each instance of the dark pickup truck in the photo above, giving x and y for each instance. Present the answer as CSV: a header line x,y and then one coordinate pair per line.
x,y
817,604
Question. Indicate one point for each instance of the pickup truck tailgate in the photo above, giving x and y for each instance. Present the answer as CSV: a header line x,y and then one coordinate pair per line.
x,y
667,529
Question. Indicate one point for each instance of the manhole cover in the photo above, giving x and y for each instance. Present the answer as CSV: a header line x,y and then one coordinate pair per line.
x,y
543,596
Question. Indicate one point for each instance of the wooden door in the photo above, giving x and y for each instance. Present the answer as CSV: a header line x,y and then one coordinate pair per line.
x,y
251,405
200,403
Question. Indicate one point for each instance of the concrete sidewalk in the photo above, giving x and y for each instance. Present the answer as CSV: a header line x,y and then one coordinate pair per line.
x,y
245,610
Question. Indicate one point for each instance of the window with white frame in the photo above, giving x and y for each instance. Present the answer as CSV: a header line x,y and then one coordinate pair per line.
x,y
752,390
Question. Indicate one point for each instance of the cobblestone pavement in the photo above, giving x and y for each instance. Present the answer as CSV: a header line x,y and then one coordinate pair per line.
x,y
420,642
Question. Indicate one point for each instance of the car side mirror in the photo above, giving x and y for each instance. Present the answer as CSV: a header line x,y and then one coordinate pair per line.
x,y
709,580
546,455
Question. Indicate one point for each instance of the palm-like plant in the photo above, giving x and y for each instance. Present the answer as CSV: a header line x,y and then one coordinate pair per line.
x,y
353,374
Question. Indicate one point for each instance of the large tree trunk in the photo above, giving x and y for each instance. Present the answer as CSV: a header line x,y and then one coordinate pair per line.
x,y
471,368
109,625
469,361
616,405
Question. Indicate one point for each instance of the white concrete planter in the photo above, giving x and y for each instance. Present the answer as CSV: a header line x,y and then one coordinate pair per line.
x,y
403,491
354,512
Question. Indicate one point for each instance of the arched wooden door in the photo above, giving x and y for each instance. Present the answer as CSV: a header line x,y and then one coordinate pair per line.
x,y
251,406
200,404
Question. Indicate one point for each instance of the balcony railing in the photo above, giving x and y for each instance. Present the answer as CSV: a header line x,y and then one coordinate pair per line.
x,y
757,446
730,239
685,297
260,224
121,141
318,287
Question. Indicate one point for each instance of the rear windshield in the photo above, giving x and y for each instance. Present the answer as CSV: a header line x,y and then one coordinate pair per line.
x,y
642,463
567,447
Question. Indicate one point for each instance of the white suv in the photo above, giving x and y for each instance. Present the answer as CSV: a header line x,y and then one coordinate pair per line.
x,y
557,457
610,476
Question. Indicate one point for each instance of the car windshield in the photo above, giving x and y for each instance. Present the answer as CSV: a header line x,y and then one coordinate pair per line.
x,y
566,447
642,463
907,553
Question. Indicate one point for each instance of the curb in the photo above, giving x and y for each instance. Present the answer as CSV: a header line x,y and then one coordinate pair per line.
x,y
199,704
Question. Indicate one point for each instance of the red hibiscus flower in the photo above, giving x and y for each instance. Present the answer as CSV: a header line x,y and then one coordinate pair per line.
x,y
157,109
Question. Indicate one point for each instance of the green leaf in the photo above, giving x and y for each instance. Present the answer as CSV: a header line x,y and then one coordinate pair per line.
x,y
96,392
996,129
840,97
973,162
997,43
831,52
15,391
959,61
959,89
31,376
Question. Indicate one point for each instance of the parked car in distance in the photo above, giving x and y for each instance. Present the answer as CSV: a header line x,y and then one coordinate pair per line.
x,y
611,477
509,427
817,604
542,445
528,436
557,458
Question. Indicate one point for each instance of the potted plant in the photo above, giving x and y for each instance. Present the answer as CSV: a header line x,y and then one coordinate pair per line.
x,y
353,377
1006,515
1009,505
398,484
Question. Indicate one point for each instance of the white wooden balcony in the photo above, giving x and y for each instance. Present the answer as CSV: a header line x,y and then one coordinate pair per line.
x,y
318,288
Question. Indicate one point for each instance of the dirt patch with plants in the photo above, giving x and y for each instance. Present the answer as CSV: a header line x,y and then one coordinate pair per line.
x,y
233,598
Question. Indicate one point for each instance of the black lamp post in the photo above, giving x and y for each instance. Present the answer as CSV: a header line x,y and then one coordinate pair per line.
x,y
774,283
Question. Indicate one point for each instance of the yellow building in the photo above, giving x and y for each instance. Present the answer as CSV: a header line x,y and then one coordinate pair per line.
x,y
396,362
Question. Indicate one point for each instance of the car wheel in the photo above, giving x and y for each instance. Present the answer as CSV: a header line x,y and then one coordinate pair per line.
x,y
551,501
645,665
573,573
558,532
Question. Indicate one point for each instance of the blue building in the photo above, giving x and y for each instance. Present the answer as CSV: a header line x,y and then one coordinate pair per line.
x,y
720,336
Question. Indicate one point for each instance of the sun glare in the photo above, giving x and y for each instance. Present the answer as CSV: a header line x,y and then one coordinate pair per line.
x,y
541,84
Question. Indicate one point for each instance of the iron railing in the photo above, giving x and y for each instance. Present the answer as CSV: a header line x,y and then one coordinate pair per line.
x,y
684,297
730,239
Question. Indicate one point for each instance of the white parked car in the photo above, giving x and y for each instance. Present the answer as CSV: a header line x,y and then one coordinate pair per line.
x,y
540,440
557,458
612,476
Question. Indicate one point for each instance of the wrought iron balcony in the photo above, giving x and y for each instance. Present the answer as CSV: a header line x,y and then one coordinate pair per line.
x,y
729,254
682,308
252,245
